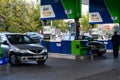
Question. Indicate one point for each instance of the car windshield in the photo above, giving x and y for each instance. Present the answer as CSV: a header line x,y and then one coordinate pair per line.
x,y
87,38
19,39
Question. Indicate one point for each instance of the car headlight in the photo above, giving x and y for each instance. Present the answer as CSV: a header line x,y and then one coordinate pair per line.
x,y
92,46
21,50
44,50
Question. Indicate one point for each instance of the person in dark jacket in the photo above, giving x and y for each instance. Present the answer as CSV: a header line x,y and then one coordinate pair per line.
x,y
115,44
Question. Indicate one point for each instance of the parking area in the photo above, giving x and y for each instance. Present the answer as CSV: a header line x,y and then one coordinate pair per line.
x,y
101,68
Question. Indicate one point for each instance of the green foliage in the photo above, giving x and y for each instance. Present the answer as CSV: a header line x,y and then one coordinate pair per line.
x,y
59,24
18,16
84,21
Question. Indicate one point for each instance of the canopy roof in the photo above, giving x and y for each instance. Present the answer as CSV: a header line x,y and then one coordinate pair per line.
x,y
101,11
104,11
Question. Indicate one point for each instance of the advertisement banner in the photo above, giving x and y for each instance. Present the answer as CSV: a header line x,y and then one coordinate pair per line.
x,y
60,9
53,30
104,11
47,11
95,17
46,30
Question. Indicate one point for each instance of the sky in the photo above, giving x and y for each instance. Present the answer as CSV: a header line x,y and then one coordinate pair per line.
x,y
85,9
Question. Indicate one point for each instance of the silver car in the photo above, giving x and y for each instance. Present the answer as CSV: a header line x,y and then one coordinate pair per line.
x,y
21,48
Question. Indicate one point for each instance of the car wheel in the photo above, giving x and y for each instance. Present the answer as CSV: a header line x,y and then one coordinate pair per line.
x,y
41,62
14,60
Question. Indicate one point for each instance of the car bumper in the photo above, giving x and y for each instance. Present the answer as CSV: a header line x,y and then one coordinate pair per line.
x,y
98,51
33,57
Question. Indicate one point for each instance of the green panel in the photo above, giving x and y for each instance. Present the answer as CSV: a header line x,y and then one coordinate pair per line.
x,y
113,7
83,51
75,47
83,48
78,48
73,8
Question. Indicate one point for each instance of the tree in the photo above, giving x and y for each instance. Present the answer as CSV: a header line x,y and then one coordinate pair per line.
x,y
18,16
59,24
84,21
37,17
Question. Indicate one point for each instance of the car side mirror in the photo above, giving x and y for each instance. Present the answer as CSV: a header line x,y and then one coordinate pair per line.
x,y
5,42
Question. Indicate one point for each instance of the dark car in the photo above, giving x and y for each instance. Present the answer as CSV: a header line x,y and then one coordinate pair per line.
x,y
21,48
94,46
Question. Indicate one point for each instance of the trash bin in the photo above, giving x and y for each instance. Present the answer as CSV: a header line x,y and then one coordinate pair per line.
x,y
79,47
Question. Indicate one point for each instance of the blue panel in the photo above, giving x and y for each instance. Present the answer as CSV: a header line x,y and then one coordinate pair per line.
x,y
66,47
44,2
109,45
47,45
55,47
42,42
99,6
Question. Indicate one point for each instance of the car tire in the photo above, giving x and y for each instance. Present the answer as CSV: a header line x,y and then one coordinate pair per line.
x,y
14,60
41,62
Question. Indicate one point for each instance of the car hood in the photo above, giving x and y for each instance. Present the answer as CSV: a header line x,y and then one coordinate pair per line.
x,y
95,42
29,46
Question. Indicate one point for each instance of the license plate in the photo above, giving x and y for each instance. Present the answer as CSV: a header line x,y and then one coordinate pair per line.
x,y
102,50
36,56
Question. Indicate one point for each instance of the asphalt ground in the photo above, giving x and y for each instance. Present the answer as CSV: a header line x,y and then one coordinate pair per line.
x,y
101,68
113,74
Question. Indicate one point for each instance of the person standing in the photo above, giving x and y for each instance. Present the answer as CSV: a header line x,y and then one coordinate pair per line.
x,y
115,44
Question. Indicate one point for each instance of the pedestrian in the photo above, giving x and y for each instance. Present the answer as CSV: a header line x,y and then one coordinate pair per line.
x,y
115,44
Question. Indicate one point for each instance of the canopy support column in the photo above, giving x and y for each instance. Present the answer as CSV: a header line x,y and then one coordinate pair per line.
x,y
77,33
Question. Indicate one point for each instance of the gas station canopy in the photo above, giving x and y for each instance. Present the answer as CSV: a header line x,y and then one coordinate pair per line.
x,y
60,9
104,11
100,11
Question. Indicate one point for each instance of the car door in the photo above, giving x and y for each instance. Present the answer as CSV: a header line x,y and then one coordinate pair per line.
x,y
5,47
